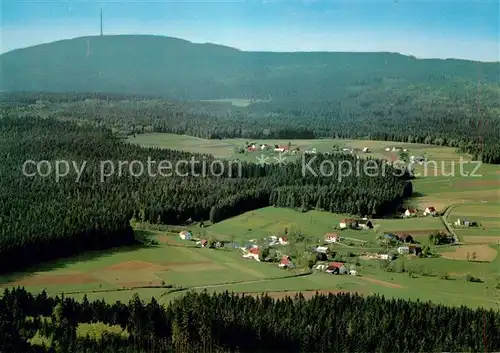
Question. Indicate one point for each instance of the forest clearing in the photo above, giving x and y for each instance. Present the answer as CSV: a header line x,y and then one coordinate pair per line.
x,y
175,266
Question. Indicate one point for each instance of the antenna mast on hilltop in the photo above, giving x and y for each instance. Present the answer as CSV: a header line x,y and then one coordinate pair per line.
x,y
101,20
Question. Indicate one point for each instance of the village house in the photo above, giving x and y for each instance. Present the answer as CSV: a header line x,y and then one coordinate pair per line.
x,y
404,250
272,240
417,159
321,249
280,148
390,236
332,238
430,211
185,235
283,240
415,249
321,267
252,253
365,224
286,262
346,223
203,243
387,149
389,256
366,150
264,147
353,272
336,268
465,223
410,212
406,238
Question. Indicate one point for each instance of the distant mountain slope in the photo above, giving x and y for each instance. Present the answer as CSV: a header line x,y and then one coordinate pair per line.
x,y
176,68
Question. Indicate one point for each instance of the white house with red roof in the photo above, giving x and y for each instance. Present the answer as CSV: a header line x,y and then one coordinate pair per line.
x,y
430,211
286,262
252,253
336,268
282,148
332,238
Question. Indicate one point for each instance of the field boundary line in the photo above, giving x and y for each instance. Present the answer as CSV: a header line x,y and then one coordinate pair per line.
x,y
238,282
469,297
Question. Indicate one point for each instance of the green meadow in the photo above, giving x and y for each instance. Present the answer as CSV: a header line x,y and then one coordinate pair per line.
x,y
174,266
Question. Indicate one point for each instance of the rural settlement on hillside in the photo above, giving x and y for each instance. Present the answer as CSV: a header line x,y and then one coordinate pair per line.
x,y
92,246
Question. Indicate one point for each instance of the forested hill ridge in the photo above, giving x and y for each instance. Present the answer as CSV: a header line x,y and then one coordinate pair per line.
x,y
382,96
70,215
178,69
466,124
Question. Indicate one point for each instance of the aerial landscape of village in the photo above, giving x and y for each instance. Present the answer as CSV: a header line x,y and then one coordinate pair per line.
x,y
165,195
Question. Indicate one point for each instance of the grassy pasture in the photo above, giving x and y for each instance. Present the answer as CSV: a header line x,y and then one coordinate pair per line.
x,y
111,274
176,263
117,271
226,148
443,182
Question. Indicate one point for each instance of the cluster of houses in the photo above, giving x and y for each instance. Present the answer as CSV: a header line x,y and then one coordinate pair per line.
x,y
464,223
186,235
395,149
352,150
252,251
364,223
409,246
413,212
311,151
335,268
417,159
274,240
252,147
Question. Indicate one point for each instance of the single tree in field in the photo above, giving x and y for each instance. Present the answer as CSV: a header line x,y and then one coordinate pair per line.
x,y
264,254
474,256
404,156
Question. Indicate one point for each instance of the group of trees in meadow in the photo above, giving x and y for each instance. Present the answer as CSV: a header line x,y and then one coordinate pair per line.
x,y
467,122
202,322
43,218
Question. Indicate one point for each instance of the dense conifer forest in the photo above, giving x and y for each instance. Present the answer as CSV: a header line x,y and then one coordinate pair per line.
x,y
470,123
42,218
202,322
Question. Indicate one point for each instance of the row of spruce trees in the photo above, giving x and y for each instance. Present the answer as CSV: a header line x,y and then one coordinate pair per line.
x,y
224,322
